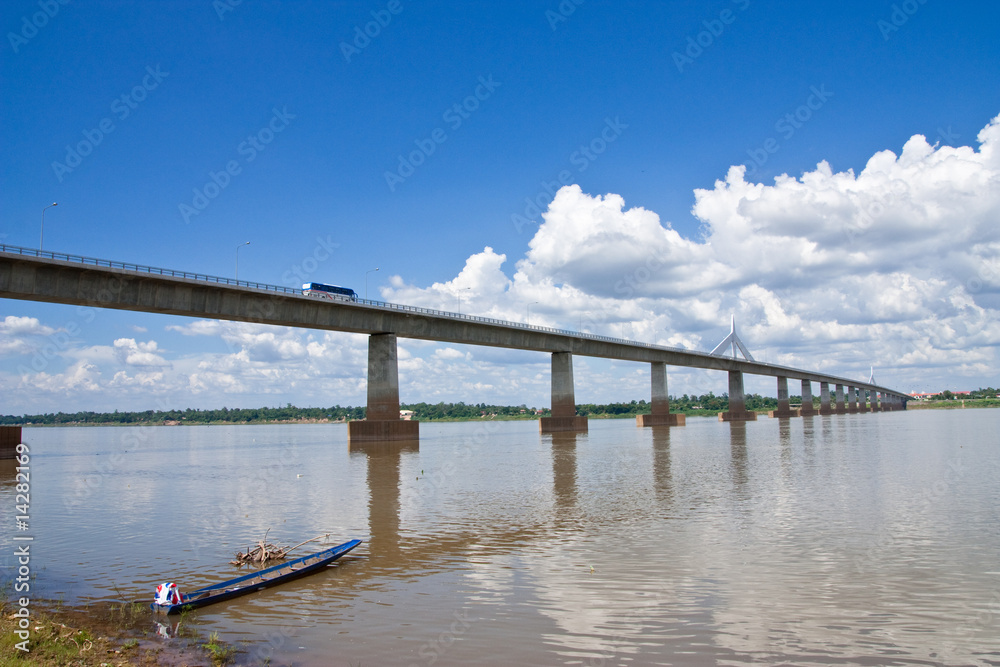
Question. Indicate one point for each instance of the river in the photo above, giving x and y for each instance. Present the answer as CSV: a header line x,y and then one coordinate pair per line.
x,y
869,539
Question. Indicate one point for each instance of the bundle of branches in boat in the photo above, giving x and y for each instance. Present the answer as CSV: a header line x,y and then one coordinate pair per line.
x,y
264,551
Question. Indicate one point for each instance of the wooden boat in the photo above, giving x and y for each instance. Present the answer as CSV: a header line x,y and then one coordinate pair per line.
x,y
256,581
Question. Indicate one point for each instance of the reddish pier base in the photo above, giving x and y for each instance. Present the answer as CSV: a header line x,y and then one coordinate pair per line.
x,y
661,420
10,438
745,416
562,424
382,430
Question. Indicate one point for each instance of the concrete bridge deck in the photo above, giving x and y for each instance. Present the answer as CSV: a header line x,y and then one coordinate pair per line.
x,y
59,278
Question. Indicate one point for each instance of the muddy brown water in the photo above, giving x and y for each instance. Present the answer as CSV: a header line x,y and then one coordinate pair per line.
x,y
851,539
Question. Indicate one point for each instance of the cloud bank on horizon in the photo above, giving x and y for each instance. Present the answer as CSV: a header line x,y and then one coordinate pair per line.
x,y
897,266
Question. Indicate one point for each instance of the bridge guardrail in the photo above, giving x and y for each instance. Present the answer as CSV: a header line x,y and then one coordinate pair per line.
x,y
281,289
140,268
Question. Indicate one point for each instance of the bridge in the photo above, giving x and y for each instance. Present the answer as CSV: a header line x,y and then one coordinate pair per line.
x,y
36,275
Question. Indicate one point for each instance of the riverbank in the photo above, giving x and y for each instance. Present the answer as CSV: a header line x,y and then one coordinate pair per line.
x,y
954,404
103,635
689,412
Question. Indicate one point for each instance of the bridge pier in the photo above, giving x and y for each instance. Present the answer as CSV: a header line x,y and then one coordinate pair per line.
x,y
840,409
382,422
784,408
807,409
660,402
852,400
10,438
824,399
873,399
737,401
564,417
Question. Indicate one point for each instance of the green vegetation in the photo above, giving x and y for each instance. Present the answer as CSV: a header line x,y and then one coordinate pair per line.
x,y
52,643
983,394
958,403
706,404
289,413
220,652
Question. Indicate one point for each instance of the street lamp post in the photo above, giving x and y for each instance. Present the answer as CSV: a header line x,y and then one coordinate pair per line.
x,y
460,300
366,281
527,312
41,237
238,259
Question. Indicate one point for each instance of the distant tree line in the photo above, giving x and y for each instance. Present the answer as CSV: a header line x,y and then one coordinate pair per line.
x,y
189,416
705,404
946,395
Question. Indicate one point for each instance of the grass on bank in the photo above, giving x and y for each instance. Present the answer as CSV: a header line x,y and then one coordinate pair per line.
x,y
113,636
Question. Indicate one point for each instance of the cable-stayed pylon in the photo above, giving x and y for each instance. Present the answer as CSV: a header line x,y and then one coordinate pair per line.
x,y
734,340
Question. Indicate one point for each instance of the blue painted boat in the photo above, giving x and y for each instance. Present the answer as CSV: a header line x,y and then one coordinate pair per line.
x,y
256,581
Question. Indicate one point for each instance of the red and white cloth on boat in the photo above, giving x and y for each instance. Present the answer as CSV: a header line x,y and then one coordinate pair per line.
x,y
168,593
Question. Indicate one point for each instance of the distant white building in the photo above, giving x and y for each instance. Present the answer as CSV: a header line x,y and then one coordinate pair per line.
x,y
406,414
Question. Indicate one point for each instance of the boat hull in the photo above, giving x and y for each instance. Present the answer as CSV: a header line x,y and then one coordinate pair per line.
x,y
257,581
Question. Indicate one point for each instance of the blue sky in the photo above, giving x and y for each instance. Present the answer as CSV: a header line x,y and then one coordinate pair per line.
x,y
431,148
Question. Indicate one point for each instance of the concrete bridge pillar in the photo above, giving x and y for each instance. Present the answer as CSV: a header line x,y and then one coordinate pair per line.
x,y
737,401
852,400
660,402
824,399
382,422
873,399
784,408
862,400
10,438
807,408
564,417
841,409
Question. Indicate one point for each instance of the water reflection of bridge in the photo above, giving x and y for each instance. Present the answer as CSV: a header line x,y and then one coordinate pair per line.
x,y
391,550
